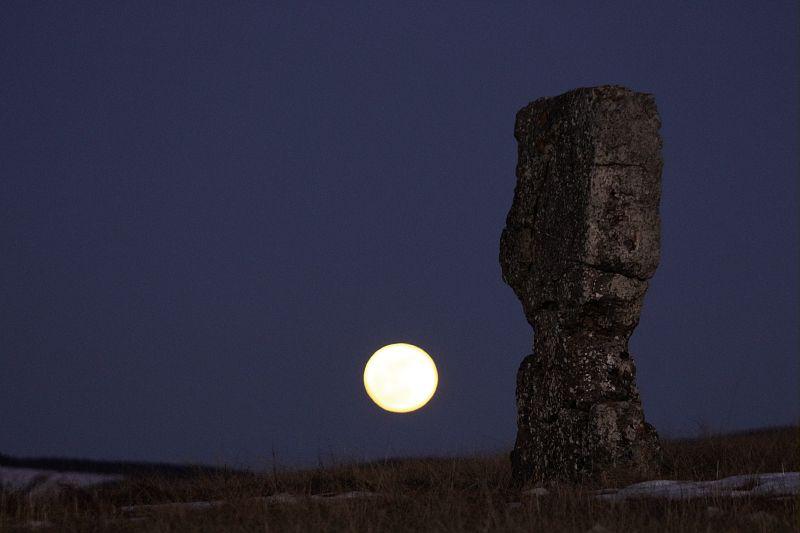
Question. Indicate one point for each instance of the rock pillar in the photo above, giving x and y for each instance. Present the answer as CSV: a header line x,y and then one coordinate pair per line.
x,y
580,243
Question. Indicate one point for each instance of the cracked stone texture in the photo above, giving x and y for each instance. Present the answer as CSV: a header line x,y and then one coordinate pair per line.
x,y
580,242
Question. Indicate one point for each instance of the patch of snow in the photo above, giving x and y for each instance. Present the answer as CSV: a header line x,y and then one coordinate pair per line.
x,y
354,494
537,491
282,497
174,506
762,518
778,484
38,524
36,481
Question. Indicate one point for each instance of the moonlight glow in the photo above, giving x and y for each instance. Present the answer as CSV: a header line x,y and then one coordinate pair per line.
x,y
400,378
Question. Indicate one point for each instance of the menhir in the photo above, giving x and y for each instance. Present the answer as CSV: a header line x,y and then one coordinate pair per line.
x,y
580,242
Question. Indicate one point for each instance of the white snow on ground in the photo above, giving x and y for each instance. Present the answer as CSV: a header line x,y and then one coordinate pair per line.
x,y
35,481
283,497
771,485
779,484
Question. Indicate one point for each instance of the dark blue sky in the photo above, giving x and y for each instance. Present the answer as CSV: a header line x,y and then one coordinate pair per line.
x,y
212,214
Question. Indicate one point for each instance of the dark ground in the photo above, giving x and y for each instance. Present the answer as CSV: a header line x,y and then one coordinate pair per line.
x,y
423,494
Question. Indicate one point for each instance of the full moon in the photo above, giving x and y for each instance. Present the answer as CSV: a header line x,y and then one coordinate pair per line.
x,y
400,377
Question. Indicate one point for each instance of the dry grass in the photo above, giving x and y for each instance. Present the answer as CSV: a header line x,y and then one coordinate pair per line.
x,y
428,495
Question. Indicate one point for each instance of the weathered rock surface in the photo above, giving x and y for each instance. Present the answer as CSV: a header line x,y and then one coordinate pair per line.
x,y
580,242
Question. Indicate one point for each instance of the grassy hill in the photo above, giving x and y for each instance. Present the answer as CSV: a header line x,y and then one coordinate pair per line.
x,y
429,494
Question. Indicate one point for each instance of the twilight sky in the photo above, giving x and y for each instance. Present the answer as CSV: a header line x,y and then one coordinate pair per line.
x,y
211,214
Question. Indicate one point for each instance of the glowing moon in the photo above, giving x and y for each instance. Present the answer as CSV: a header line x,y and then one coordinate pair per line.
x,y
400,377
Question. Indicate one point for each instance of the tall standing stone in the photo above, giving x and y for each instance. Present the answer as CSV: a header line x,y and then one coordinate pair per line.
x,y
580,242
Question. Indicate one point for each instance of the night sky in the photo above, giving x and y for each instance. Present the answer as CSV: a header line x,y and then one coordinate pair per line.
x,y
211,214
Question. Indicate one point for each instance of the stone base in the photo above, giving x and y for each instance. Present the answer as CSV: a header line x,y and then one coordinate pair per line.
x,y
573,443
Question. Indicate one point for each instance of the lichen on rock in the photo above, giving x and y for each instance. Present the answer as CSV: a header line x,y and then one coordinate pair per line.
x,y
580,243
